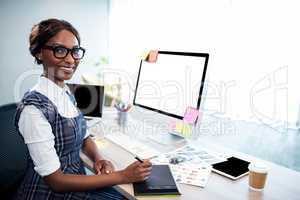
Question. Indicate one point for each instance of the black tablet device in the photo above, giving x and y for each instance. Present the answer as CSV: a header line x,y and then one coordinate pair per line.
x,y
232,168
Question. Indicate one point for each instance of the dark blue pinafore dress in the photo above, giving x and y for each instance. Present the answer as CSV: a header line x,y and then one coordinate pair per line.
x,y
69,135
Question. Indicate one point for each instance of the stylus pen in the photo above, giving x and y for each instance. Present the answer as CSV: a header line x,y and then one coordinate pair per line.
x,y
140,160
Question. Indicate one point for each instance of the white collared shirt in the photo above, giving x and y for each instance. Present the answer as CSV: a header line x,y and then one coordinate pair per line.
x,y
36,130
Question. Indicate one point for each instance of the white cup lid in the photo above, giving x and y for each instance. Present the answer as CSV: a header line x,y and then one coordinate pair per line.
x,y
258,167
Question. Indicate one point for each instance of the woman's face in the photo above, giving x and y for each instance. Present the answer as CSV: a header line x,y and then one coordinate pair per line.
x,y
59,69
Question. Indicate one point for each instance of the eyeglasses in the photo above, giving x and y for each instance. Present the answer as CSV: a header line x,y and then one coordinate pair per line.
x,y
62,52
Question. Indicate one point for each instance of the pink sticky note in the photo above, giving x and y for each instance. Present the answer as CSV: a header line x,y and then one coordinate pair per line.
x,y
152,57
172,125
190,115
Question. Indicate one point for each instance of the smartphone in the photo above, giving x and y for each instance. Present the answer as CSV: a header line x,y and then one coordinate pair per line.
x,y
233,168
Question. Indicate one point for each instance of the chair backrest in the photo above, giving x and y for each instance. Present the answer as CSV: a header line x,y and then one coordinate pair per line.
x,y
13,152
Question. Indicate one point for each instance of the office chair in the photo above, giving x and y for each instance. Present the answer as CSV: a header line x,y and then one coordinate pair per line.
x,y
13,153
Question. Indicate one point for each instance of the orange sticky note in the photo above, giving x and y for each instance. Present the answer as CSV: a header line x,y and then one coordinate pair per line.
x,y
152,57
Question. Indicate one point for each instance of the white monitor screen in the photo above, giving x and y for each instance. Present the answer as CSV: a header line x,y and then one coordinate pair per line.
x,y
172,83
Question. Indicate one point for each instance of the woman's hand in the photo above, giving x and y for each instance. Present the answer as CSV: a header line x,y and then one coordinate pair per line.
x,y
137,171
103,167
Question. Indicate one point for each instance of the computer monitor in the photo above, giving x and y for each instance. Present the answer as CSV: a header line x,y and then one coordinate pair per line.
x,y
89,99
172,83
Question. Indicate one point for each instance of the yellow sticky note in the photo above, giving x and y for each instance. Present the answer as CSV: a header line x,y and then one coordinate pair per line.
x,y
144,55
101,143
186,130
179,126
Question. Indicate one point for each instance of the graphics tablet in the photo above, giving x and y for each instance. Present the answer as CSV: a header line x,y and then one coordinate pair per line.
x,y
233,168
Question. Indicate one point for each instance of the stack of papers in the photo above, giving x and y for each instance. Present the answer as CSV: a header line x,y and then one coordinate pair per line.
x,y
193,175
189,165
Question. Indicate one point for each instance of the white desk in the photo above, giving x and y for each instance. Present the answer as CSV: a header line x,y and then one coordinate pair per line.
x,y
282,183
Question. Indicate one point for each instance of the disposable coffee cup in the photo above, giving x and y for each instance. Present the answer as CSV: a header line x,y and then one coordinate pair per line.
x,y
257,176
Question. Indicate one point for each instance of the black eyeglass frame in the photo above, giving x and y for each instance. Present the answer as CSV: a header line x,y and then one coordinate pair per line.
x,y
54,48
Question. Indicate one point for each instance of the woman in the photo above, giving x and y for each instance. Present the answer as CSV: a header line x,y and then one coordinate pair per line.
x,y
55,131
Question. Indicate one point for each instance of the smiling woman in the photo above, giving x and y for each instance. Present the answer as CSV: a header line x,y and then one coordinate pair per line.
x,y
54,129
51,43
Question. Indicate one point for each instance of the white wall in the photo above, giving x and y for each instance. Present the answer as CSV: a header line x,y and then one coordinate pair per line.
x,y
253,45
18,69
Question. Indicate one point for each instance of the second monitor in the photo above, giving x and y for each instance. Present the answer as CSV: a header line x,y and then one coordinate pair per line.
x,y
89,99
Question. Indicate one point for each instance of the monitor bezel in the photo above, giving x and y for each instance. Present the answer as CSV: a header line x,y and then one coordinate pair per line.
x,y
205,55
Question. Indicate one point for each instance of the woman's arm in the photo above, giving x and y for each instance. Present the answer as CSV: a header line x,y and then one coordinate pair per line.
x,y
90,149
45,158
61,182
100,166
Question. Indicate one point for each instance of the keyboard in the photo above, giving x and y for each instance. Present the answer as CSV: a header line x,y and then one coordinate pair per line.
x,y
133,146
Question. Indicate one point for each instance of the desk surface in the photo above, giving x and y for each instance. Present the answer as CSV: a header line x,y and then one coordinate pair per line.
x,y
282,183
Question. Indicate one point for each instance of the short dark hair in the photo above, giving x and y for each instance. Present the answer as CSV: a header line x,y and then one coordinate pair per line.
x,y
46,29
